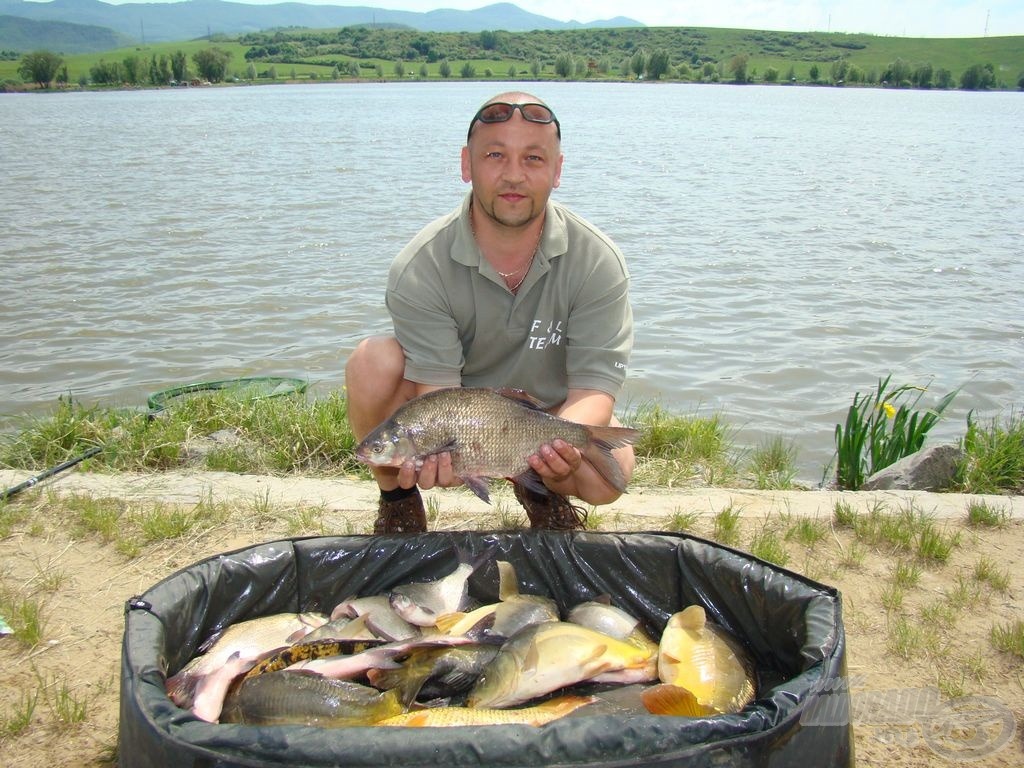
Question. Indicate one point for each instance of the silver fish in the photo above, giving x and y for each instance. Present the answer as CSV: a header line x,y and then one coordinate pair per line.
x,y
422,603
489,434
249,639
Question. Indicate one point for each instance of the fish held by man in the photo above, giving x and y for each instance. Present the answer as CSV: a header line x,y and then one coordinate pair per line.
x,y
489,434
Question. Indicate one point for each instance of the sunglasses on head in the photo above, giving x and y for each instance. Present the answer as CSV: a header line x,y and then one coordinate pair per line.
x,y
502,111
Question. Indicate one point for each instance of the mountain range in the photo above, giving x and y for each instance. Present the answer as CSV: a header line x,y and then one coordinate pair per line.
x,y
191,19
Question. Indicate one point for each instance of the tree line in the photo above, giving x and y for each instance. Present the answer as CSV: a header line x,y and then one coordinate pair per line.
x,y
682,54
209,64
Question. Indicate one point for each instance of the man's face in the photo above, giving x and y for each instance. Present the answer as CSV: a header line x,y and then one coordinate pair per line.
x,y
513,167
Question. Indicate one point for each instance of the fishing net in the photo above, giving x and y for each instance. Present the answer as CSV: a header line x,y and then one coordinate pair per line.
x,y
248,388
791,626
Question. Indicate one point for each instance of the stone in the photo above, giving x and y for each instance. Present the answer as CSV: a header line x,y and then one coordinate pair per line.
x,y
930,469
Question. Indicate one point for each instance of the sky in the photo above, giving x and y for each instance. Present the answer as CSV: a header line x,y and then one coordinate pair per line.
x,y
902,18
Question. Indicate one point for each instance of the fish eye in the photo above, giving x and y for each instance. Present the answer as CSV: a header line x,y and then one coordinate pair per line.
x,y
378,448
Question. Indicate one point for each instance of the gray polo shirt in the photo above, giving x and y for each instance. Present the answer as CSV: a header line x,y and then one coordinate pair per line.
x,y
569,326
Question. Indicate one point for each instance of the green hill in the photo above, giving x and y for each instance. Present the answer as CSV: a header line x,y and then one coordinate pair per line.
x,y
23,35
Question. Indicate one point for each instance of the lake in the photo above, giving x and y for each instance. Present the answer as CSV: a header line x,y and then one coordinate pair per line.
x,y
789,246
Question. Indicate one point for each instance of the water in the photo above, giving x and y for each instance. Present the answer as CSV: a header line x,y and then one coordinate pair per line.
x,y
788,246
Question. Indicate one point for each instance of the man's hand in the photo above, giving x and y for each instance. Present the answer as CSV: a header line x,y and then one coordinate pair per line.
x,y
556,462
436,471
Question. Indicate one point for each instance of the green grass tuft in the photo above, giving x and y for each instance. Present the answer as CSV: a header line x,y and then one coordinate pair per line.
x,y
981,515
1009,638
773,464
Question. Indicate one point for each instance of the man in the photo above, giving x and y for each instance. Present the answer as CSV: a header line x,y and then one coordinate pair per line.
x,y
509,290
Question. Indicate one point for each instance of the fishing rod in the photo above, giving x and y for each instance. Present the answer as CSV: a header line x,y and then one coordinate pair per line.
x,y
48,473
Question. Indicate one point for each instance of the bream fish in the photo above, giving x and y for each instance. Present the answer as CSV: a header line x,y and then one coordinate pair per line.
x,y
423,602
489,434
704,659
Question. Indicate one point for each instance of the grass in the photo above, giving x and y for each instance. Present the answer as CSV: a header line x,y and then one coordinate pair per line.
x,y
995,455
1009,638
727,526
808,531
682,522
773,464
906,574
24,614
767,545
980,514
19,716
987,572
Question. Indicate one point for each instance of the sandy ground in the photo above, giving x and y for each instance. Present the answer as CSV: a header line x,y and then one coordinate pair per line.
x,y
903,711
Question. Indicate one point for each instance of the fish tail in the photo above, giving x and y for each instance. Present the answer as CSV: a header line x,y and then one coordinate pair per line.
x,y
598,452
181,688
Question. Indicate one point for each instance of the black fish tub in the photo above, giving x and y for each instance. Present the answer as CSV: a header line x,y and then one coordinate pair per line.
x,y
790,626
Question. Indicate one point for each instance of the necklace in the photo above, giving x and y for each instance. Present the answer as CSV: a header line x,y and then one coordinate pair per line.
x,y
506,275
514,288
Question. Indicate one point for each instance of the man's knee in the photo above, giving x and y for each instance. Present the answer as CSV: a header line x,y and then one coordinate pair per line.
x,y
379,358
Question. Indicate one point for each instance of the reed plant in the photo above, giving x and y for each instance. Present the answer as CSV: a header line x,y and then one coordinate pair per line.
x,y
881,428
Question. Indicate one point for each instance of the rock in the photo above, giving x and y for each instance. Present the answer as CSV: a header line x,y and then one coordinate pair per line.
x,y
930,469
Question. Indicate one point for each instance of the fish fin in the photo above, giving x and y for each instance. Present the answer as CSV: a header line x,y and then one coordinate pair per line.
x,y
450,447
396,678
477,485
531,480
447,621
508,582
531,661
522,397
693,617
563,705
598,451
481,631
209,642
666,699
344,608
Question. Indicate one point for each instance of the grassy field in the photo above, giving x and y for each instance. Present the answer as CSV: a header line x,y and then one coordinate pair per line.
x,y
600,50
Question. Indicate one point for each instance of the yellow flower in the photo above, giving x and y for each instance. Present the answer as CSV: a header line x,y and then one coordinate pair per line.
x,y
890,410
